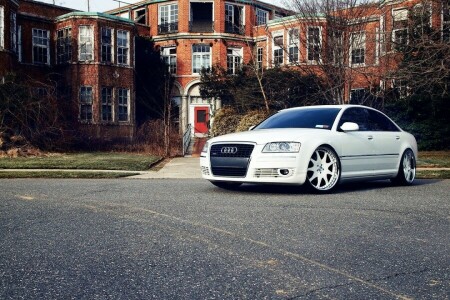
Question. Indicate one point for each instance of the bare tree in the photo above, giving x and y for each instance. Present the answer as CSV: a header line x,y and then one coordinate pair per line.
x,y
340,44
423,55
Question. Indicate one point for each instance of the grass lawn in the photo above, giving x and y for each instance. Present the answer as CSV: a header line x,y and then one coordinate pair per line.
x,y
433,174
87,161
434,159
63,174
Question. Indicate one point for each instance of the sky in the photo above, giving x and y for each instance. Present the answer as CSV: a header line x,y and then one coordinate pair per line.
x,y
103,5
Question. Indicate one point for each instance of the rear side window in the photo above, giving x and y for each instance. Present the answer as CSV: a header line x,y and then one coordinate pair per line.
x,y
379,122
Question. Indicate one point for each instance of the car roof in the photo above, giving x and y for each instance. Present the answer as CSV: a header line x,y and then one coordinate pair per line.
x,y
325,106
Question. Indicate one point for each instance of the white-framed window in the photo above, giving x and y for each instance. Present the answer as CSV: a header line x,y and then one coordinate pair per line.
x,y
400,27
107,45
2,27
259,58
400,87
400,14
336,44
358,48
201,57
314,47
357,96
278,48
169,55
123,47
445,21
13,31
86,98
234,18
64,45
293,44
422,18
41,46
85,43
19,43
382,37
123,102
168,18
234,60
399,38
107,104
262,17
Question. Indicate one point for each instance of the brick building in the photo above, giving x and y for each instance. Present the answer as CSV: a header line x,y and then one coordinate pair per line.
x,y
193,34
94,52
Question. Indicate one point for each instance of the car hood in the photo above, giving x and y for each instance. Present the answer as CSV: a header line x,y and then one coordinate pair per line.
x,y
263,136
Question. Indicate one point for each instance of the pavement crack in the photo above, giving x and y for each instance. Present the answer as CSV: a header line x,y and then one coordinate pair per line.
x,y
399,274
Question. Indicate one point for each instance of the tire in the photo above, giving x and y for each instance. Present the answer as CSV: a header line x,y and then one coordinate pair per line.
x,y
227,185
324,170
406,170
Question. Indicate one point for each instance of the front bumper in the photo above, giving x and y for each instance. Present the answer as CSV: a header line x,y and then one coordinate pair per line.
x,y
273,168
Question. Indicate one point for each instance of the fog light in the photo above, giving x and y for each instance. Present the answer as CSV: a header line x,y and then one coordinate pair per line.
x,y
283,172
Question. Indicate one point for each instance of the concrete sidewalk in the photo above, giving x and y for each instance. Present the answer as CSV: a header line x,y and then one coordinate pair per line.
x,y
178,167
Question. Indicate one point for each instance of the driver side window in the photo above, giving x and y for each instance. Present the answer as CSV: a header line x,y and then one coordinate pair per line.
x,y
356,115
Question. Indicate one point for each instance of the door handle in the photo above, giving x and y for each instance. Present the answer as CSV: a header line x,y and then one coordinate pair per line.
x,y
370,137
397,137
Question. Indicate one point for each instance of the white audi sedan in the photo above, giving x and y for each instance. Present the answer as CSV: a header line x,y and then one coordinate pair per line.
x,y
321,146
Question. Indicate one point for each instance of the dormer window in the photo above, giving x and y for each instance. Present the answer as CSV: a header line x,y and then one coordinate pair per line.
x,y
168,18
262,17
234,19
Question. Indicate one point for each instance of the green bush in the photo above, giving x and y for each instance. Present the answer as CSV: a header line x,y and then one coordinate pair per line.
x,y
252,118
225,121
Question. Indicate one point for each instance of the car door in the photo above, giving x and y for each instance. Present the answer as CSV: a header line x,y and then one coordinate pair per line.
x,y
386,141
357,148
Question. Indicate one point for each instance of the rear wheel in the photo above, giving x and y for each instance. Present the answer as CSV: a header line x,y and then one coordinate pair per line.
x,y
407,169
228,185
323,170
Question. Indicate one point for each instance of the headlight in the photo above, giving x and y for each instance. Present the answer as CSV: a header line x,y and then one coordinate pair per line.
x,y
205,148
281,147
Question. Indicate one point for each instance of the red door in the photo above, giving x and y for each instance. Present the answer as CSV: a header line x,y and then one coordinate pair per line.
x,y
201,119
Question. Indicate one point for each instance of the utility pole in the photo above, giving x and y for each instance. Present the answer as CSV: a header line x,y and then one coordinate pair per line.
x,y
89,9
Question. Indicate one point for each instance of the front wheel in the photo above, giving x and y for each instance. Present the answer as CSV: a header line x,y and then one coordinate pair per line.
x,y
407,169
323,170
227,185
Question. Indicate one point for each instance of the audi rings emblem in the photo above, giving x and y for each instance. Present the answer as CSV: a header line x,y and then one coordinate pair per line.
x,y
229,150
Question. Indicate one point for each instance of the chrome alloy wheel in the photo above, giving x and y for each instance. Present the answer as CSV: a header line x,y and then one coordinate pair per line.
x,y
323,169
409,167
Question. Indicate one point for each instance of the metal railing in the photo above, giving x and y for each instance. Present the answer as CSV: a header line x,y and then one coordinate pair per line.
x,y
233,28
187,138
201,26
168,28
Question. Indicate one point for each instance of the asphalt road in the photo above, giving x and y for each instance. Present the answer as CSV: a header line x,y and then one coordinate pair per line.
x,y
186,239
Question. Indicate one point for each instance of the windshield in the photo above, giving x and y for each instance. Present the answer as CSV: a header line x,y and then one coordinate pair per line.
x,y
322,118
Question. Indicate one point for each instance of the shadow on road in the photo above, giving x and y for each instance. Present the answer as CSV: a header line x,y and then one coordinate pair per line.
x,y
343,188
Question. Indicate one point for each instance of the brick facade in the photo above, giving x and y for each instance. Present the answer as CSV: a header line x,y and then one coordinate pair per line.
x,y
218,30
80,75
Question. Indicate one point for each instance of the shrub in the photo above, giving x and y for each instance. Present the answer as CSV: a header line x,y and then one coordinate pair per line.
x,y
252,118
225,121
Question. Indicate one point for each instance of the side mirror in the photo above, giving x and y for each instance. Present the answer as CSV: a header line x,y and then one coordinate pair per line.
x,y
349,126
251,127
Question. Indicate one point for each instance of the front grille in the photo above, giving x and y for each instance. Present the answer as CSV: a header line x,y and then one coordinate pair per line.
x,y
242,150
230,159
229,172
